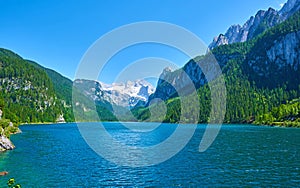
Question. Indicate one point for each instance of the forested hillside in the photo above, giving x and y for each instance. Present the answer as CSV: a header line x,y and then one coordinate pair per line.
x,y
260,75
26,91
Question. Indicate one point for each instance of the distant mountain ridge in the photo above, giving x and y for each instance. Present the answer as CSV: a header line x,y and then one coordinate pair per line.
x,y
256,25
119,94
128,94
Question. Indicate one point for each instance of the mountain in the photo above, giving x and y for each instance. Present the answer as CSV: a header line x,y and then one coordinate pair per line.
x,y
260,74
33,93
112,102
27,91
270,59
119,94
63,90
256,25
127,94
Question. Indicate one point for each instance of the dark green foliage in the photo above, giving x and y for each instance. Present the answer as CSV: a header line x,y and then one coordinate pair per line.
x,y
11,183
173,110
105,114
4,123
141,113
6,129
61,84
63,90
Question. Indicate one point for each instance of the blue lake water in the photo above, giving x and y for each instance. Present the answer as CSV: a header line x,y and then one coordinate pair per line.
x,y
242,155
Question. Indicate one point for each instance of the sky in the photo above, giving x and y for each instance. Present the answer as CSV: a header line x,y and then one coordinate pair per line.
x,y
57,33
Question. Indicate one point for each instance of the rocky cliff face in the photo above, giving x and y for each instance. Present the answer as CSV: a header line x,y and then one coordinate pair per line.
x,y
256,25
279,60
285,52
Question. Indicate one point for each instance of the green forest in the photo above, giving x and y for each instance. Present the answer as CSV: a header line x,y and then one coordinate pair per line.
x,y
26,90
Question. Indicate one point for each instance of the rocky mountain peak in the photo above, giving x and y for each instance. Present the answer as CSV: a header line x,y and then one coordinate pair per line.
x,y
255,25
233,33
220,40
166,71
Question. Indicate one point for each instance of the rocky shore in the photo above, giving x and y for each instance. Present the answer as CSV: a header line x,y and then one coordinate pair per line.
x,y
5,144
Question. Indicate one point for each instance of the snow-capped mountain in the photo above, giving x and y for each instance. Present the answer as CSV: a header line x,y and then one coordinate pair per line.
x,y
121,94
129,93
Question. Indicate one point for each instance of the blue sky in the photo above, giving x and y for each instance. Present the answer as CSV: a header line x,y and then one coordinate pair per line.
x,y
56,33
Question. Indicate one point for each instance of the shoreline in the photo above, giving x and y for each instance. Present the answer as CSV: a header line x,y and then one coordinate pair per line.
x,y
278,124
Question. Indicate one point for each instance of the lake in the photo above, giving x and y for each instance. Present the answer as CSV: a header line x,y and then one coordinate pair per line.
x,y
242,155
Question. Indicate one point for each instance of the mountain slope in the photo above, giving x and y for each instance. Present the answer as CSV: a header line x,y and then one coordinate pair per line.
x,y
83,104
260,74
272,54
63,90
28,92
